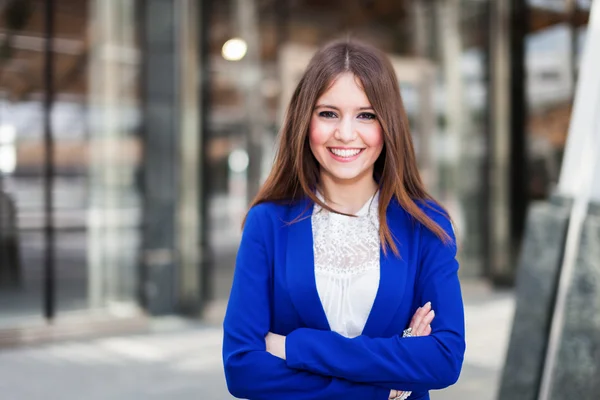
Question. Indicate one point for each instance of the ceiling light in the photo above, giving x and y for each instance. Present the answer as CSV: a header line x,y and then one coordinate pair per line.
x,y
234,49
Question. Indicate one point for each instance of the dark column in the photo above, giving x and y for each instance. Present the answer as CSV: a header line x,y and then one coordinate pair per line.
x,y
519,190
507,166
206,263
486,163
160,128
498,246
49,270
572,10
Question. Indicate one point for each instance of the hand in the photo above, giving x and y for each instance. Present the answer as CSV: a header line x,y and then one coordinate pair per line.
x,y
396,394
421,321
275,344
421,326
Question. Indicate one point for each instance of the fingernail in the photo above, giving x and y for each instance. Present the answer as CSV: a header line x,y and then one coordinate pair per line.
x,y
432,312
428,304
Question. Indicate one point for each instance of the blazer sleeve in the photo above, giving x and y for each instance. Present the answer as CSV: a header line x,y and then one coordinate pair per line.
x,y
413,363
251,372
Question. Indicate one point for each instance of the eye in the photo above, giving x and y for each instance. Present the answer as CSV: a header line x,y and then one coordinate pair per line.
x,y
327,114
367,115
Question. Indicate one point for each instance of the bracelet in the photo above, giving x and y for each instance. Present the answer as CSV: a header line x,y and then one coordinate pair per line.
x,y
402,396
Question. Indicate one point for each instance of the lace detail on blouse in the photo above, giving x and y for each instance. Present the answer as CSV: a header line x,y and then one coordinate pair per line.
x,y
346,246
346,251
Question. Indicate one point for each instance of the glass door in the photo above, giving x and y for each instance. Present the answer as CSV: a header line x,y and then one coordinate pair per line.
x,y
70,223
22,182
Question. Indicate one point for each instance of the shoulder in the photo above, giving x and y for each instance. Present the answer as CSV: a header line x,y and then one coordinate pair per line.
x,y
440,216
262,211
435,212
261,214
431,208
274,214
258,225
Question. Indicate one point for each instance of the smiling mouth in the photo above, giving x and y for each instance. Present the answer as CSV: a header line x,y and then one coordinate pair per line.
x,y
344,153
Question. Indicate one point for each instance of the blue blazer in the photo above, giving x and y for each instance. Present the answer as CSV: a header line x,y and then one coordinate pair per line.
x,y
274,290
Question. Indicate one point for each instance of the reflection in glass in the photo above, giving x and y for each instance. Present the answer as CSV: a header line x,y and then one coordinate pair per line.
x,y
553,55
95,118
113,209
21,157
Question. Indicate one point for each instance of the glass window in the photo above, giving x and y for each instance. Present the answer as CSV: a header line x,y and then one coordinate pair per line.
x,y
552,54
22,244
110,106
97,149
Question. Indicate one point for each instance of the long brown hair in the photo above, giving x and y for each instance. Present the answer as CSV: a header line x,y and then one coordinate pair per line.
x,y
295,172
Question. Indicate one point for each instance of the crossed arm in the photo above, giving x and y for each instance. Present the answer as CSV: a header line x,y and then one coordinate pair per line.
x,y
420,325
325,365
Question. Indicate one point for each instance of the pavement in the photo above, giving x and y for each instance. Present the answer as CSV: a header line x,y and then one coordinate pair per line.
x,y
180,360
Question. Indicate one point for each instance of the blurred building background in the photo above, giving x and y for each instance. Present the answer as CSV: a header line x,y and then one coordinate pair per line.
x,y
133,134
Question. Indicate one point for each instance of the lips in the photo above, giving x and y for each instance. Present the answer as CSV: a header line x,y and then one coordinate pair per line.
x,y
344,153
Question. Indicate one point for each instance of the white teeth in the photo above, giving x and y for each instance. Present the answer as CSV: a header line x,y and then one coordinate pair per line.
x,y
345,153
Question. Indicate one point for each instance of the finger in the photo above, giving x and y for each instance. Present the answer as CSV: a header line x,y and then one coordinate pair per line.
x,y
422,312
427,331
414,317
425,322
268,343
419,315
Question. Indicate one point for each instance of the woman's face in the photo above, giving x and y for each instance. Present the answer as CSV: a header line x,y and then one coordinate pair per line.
x,y
345,135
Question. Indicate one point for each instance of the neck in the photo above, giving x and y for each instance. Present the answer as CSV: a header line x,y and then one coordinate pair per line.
x,y
347,196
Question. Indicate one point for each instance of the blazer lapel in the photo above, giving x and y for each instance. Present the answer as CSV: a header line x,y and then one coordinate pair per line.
x,y
392,279
300,268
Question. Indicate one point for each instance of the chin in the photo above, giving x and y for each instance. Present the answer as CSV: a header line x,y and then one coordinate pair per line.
x,y
346,176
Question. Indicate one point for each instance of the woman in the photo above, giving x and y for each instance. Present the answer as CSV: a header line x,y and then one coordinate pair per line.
x,y
341,247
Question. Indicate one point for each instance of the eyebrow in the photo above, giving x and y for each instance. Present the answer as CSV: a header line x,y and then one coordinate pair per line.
x,y
336,108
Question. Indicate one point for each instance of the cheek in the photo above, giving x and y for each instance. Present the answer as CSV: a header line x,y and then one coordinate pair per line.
x,y
373,137
317,134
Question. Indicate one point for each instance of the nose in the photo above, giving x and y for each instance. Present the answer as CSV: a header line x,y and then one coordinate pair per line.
x,y
345,131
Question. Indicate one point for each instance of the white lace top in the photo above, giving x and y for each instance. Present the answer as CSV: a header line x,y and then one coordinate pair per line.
x,y
347,265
